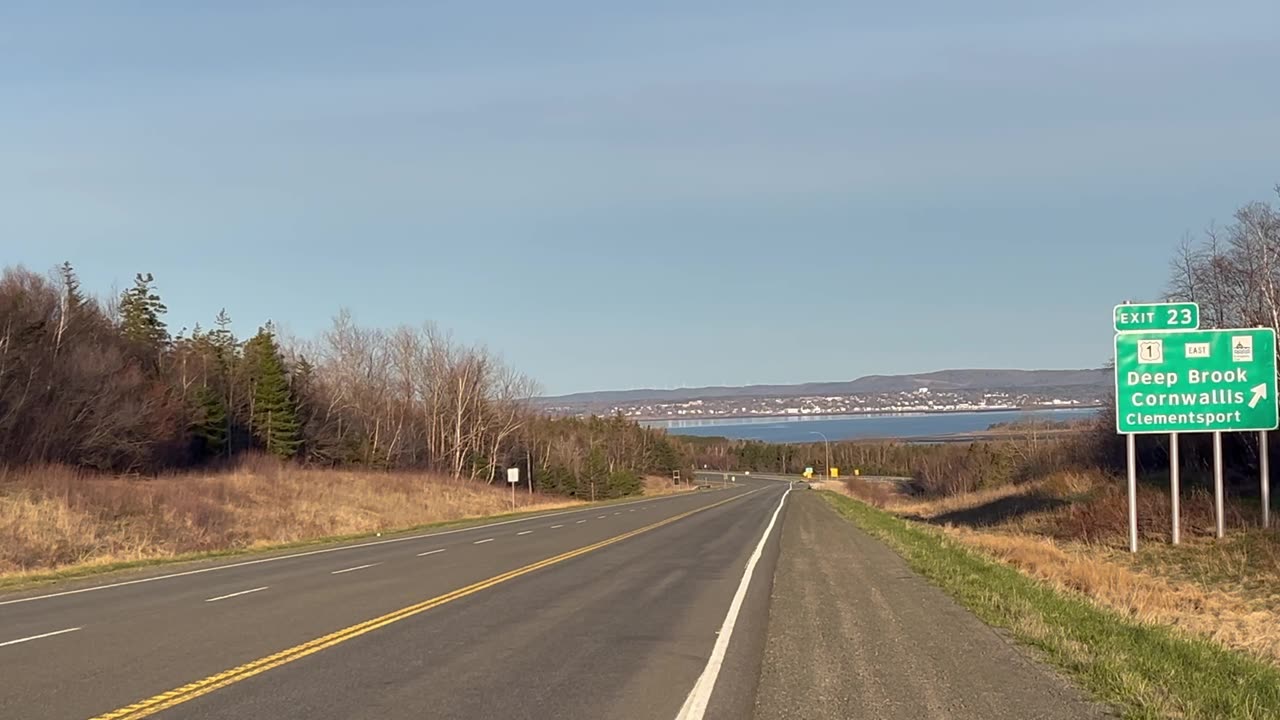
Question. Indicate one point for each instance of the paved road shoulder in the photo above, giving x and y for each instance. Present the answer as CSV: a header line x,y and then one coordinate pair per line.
x,y
853,632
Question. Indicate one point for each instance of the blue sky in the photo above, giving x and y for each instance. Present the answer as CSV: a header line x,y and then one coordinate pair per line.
x,y
661,194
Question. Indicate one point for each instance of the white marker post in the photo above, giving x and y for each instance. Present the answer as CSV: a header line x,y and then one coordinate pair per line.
x,y
1131,447
1175,469
1264,460
513,479
1218,510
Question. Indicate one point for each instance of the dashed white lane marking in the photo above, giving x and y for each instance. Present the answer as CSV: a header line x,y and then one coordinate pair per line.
x,y
553,527
237,594
309,553
526,532
481,542
431,552
358,567
579,522
601,517
37,637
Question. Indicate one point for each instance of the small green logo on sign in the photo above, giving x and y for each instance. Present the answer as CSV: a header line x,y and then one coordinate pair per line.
x,y
1157,316
1196,381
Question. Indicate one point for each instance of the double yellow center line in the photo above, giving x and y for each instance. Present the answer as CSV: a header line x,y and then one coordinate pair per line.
x,y
191,691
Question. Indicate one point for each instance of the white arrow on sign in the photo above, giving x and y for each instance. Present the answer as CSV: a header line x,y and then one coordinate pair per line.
x,y
1259,393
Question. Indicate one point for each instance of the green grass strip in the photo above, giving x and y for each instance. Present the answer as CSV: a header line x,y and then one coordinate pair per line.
x,y
1144,671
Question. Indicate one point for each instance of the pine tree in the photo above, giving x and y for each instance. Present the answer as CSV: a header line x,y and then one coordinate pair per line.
x,y
210,419
70,303
273,410
225,351
222,339
315,445
595,480
141,314
73,298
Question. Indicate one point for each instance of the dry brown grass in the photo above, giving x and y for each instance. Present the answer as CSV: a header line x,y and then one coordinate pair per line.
x,y
835,486
56,517
1245,562
1227,617
655,485
1059,485
878,494
928,508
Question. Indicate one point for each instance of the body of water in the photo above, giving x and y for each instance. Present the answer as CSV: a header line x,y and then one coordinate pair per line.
x,y
852,427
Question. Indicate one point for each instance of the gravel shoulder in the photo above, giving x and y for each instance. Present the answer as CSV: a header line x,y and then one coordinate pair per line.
x,y
854,633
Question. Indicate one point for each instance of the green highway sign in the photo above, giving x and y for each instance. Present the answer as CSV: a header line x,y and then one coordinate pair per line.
x,y
1196,381
1157,316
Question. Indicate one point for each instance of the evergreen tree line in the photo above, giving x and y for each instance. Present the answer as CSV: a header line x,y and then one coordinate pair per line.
x,y
596,458
935,468
109,386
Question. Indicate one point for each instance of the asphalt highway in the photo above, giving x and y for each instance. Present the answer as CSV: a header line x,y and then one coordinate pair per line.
x,y
750,600
606,612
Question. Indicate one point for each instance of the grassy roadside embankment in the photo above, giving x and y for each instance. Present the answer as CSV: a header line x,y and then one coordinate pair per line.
x,y
1069,529
1146,669
58,523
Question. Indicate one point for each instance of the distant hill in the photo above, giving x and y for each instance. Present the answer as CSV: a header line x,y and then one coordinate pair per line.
x,y
954,380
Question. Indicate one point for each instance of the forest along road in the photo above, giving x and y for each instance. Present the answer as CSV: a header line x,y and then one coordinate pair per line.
x,y
611,611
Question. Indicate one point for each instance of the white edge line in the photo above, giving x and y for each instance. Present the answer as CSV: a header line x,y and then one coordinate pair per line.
x,y
526,532
431,552
37,637
481,542
321,551
695,705
358,567
237,594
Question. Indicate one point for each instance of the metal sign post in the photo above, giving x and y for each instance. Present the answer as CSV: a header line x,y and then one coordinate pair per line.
x,y
1175,470
1219,513
1264,461
1130,443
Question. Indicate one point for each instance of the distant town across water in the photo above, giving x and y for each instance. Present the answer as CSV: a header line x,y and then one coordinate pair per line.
x,y
914,426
